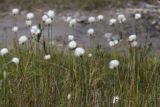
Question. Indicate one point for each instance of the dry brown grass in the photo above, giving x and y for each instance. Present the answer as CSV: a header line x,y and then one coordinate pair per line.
x,y
83,4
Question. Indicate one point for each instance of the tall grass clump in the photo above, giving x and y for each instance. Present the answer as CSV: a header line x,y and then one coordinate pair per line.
x,y
36,73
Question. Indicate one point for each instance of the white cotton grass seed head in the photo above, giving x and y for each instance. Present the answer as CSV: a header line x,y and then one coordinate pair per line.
x,y
68,19
28,23
47,57
15,29
111,43
90,55
134,44
30,16
112,21
90,31
44,18
70,37
132,38
91,19
113,64
35,30
72,22
115,99
23,39
4,51
72,44
48,21
15,60
100,17
79,52
15,11
121,18
69,96
51,14
108,35
115,42
138,16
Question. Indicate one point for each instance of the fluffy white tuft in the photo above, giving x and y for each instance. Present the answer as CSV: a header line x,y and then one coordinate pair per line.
x,y
51,13
100,17
15,60
70,37
79,52
132,38
112,21
30,16
72,22
91,19
137,16
23,39
15,11
115,99
121,18
90,31
47,57
72,44
4,51
15,29
113,64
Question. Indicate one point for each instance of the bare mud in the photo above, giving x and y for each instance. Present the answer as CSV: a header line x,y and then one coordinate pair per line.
x,y
147,30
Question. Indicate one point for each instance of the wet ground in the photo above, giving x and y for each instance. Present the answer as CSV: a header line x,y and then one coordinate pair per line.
x,y
147,30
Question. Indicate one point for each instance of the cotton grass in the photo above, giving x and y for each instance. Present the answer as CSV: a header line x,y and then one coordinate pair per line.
x,y
15,60
4,51
72,44
113,71
113,64
79,52
15,11
22,39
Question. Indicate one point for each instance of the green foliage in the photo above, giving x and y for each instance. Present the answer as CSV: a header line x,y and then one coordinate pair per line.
x,y
41,83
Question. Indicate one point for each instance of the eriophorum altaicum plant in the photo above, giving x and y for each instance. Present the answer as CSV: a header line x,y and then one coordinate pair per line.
x,y
15,28
78,77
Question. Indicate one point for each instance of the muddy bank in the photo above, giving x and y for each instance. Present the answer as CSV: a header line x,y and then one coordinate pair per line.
x,y
147,29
